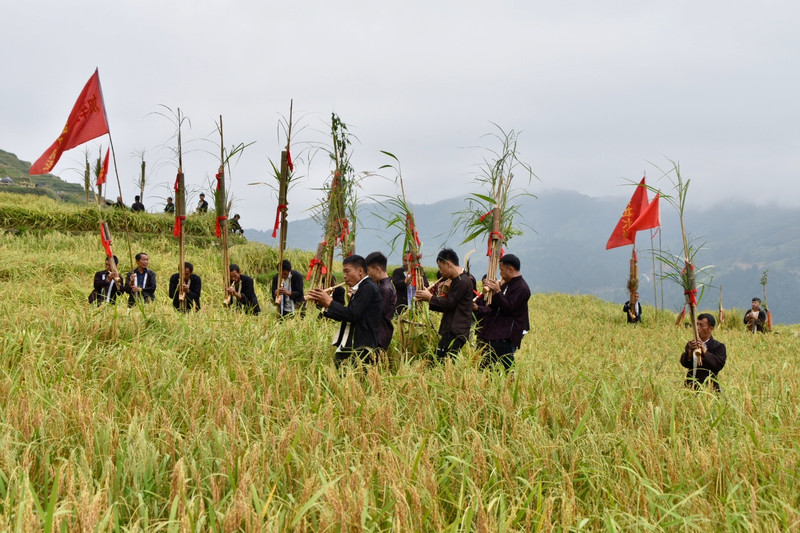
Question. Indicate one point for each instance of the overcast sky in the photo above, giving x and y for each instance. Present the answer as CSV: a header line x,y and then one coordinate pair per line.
x,y
598,90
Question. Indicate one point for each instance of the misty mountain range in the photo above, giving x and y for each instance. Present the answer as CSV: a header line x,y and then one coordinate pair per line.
x,y
562,249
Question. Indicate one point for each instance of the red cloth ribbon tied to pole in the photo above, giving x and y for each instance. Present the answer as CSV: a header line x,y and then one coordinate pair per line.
x,y
219,182
345,229
278,219
178,224
106,241
500,238
692,297
219,228
484,216
412,230
314,262
289,160
177,183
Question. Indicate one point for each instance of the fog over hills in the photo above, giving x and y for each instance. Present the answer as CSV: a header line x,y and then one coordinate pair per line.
x,y
562,249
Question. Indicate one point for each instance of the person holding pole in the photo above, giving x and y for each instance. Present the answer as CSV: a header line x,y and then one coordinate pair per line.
x,y
243,291
107,284
712,355
361,318
505,321
376,269
192,286
287,289
454,301
633,310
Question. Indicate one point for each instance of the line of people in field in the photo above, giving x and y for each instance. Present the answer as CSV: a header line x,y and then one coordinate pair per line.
x,y
375,298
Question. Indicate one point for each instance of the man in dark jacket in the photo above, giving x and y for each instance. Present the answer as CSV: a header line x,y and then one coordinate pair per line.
x,y
711,355
633,311
287,292
243,292
376,269
756,317
108,284
454,301
401,281
192,286
505,321
140,283
202,205
137,206
361,318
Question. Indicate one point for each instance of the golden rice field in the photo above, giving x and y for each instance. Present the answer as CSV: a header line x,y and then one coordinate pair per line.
x,y
128,419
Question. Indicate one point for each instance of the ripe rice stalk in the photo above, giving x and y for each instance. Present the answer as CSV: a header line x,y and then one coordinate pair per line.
x,y
490,214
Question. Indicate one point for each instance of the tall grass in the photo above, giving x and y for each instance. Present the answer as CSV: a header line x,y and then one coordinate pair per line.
x,y
113,418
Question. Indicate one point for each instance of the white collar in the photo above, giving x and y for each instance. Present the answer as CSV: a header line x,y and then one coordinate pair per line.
x,y
355,287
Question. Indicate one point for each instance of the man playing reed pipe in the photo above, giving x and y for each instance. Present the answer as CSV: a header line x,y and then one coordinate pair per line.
x,y
361,318
505,321
401,278
711,355
287,291
376,269
243,292
141,282
454,301
107,284
633,310
192,286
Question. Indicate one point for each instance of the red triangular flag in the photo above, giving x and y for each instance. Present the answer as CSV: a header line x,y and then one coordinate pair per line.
x,y
622,236
101,178
87,121
650,217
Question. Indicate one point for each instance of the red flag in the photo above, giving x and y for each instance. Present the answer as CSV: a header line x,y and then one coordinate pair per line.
x,y
101,178
87,121
622,236
650,217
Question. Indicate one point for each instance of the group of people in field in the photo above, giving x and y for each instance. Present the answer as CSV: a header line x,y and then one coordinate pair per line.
x,y
369,300
234,226
366,304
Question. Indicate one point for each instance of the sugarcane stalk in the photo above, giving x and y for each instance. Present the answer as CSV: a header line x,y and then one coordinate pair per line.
x,y
283,189
690,287
633,282
496,245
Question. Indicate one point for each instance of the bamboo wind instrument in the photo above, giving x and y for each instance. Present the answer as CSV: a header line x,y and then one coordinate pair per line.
x,y
329,290
105,238
221,204
633,282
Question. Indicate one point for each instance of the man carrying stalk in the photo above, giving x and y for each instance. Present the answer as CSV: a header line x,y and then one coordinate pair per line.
x,y
454,302
504,321
192,286
243,291
712,355
361,318
287,289
376,269
107,284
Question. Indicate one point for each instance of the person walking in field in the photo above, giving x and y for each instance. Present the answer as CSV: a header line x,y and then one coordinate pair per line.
x,y
107,286
712,355
376,269
505,321
633,310
454,301
360,319
243,292
141,282
192,286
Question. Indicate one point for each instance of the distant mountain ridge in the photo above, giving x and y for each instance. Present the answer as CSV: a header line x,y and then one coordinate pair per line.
x,y
40,185
565,249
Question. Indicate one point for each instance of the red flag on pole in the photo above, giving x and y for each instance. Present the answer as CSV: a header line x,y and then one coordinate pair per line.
x,y
650,217
87,121
622,236
101,178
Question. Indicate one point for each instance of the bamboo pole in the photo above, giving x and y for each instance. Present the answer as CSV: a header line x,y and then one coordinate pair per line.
x,y
221,201
495,246
690,288
180,213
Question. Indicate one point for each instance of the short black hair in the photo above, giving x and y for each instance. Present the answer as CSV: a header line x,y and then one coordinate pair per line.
x,y
757,299
116,259
355,260
709,318
169,198
286,265
448,254
236,215
137,197
510,260
235,268
202,195
187,264
140,254
377,259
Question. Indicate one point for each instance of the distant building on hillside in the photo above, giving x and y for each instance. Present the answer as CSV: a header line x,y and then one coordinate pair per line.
x,y
6,179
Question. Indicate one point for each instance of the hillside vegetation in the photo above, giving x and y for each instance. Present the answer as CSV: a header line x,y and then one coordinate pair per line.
x,y
149,419
46,185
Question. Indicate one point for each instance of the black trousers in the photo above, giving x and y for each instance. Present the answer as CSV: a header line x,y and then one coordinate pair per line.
x,y
449,345
497,351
